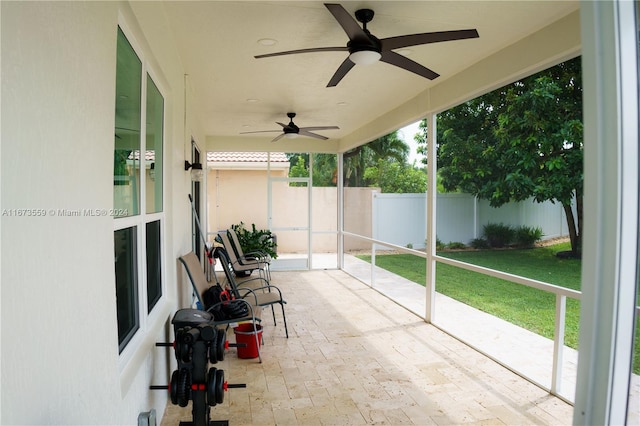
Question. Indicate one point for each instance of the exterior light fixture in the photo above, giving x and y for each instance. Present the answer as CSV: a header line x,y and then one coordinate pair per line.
x,y
152,171
196,170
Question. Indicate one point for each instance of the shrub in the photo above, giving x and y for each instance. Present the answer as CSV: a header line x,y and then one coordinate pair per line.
x,y
479,243
456,245
256,240
439,245
527,236
498,234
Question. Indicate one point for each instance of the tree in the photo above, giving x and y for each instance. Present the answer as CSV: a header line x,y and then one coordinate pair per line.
x,y
299,169
382,163
324,169
521,141
324,166
394,177
389,147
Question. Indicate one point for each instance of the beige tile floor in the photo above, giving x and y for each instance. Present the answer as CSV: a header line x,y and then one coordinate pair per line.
x,y
356,357
527,353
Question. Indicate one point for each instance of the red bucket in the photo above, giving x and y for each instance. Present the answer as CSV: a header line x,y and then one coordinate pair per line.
x,y
245,333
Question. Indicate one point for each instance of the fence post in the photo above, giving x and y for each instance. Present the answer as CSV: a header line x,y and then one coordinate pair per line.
x,y
476,220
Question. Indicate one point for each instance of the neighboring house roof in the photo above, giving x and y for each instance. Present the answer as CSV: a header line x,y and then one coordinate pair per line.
x,y
246,160
229,159
250,157
149,155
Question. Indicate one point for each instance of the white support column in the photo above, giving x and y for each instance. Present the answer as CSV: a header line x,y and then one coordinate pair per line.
x,y
558,344
340,184
269,194
431,219
610,252
309,214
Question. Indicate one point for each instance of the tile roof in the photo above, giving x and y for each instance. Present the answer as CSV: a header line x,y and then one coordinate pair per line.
x,y
224,157
149,155
245,157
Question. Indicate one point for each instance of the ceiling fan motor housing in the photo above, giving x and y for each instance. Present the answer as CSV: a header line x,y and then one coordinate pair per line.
x,y
291,127
364,15
371,42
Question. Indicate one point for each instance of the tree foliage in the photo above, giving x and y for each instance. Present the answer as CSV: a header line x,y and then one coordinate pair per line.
x,y
324,166
381,163
298,169
521,141
395,177
388,148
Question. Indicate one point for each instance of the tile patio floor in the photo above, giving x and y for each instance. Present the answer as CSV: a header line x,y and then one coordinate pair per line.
x,y
356,357
530,354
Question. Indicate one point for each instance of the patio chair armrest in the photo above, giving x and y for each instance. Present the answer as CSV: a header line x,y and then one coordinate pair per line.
x,y
248,292
266,282
267,287
260,256
248,263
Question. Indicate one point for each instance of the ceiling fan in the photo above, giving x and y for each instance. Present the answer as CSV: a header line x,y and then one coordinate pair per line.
x,y
292,131
364,48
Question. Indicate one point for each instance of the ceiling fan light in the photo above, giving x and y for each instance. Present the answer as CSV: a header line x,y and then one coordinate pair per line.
x,y
290,135
365,57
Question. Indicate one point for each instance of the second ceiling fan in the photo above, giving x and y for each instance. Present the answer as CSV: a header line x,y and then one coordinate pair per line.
x,y
291,130
365,48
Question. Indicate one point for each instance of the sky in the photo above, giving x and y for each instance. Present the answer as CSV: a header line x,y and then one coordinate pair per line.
x,y
406,134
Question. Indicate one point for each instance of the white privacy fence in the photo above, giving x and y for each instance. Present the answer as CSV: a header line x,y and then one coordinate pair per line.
x,y
400,218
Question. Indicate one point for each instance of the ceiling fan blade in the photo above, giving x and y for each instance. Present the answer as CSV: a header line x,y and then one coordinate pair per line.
x,y
343,69
312,135
346,21
277,138
311,50
403,62
283,125
261,131
320,128
426,38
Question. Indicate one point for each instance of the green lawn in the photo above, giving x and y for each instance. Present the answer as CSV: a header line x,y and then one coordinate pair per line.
x,y
524,306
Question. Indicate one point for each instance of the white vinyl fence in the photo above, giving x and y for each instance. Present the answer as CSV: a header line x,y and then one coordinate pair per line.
x,y
400,218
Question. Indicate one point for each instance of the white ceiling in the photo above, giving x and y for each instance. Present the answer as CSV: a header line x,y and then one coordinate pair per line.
x,y
219,39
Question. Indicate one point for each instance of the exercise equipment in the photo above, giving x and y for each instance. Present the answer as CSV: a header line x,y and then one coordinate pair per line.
x,y
198,342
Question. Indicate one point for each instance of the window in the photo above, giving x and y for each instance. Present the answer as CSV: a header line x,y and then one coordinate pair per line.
x,y
127,132
137,192
155,133
126,284
154,265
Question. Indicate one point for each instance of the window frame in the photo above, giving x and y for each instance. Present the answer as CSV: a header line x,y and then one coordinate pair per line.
x,y
146,318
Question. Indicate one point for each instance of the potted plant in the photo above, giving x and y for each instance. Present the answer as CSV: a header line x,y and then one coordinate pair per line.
x,y
256,240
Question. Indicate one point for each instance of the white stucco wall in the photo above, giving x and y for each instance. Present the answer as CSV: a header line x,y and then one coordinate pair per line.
x,y
60,362
235,196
